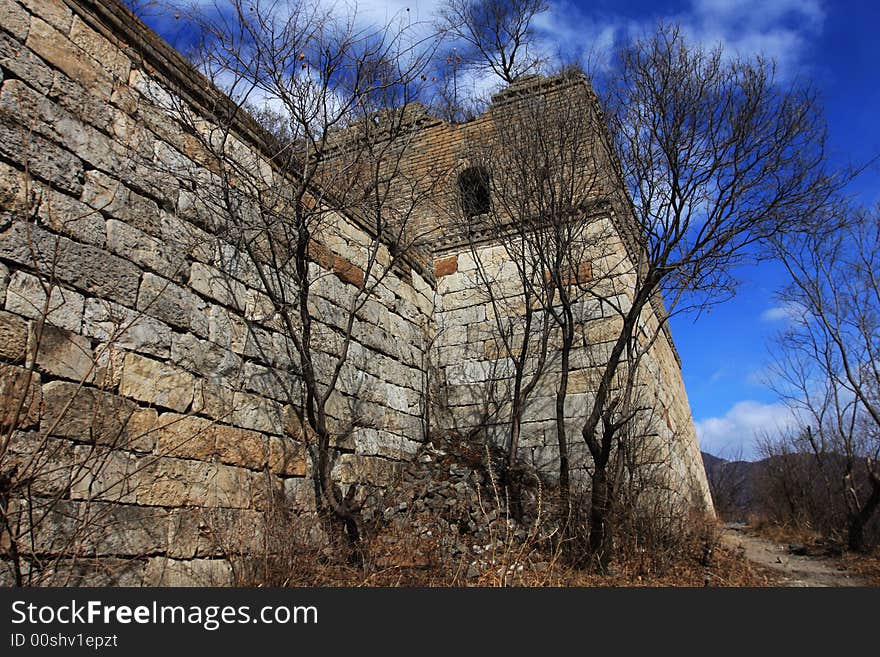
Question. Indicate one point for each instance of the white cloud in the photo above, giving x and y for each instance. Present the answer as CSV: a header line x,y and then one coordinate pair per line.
x,y
737,429
786,312
779,29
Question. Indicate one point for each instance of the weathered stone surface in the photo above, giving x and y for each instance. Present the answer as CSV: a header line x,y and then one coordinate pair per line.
x,y
126,329
23,63
58,50
148,480
272,383
85,267
299,492
69,216
14,19
287,456
4,280
100,49
94,571
42,115
47,463
88,415
98,529
156,383
62,353
42,158
13,337
161,571
354,468
213,532
172,304
187,436
55,13
240,408
374,442
21,400
257,413
145,250
213,400
113,198
25,296
206,359
248,449
218,286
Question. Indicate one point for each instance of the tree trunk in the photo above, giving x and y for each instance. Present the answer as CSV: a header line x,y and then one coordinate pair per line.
x,y
856,539
600,531
562,438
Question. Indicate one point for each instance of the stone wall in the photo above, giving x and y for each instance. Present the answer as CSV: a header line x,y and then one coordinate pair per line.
x,y
147,422
480,294
476,371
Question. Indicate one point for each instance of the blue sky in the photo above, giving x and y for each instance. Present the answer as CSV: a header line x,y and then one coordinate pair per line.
x,y
831,45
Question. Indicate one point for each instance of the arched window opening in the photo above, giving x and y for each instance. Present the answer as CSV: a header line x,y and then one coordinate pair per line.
x,y
473,185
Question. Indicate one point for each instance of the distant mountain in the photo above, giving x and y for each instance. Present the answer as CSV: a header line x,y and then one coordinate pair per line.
x,y
733,484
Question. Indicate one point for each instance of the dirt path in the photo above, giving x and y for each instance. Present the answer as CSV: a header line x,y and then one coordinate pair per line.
x,y
794,570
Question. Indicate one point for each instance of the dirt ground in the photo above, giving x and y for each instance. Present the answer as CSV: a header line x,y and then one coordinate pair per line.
x,y
791,569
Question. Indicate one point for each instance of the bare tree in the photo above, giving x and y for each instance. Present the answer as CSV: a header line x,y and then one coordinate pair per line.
x,y
546,199
336,98
715,157
494,35
828,358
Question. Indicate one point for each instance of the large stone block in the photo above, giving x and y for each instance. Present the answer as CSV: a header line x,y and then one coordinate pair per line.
x,y
58,50
126,329
42,158
13,337
96,529
223,288
42,115
92,416
156,383
146,251
71,217
100,49
57,14
21,399
215,532
299,492
206,359
62,353
275,384
287,456
170,303
354,468
85,267
23,63
185,436
14,19
113,198
47,464
161,571
195,437
26,295
258,413
92,571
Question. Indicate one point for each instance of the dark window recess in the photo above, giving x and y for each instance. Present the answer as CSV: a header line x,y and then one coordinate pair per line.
x,y
473,185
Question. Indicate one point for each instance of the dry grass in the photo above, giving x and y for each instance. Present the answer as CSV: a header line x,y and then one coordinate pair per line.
x,y
395,558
